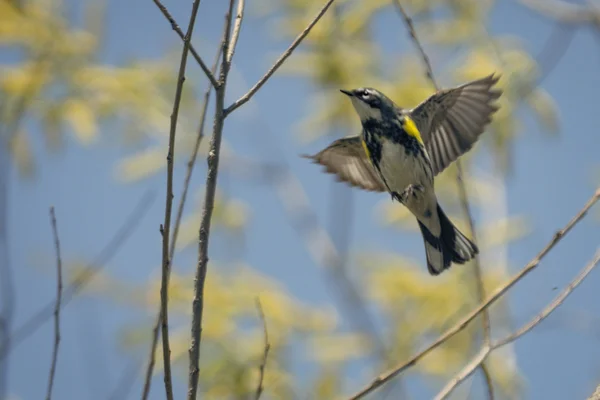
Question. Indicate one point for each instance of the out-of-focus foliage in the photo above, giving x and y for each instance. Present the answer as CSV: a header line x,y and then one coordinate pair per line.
x,y
232,336
340,52
59,83
51,76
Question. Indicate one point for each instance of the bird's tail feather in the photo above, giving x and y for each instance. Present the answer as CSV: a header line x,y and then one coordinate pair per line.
x,y
452,246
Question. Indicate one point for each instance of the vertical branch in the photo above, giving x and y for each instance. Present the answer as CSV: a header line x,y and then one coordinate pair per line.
x,y
209,200
166,227
263,364
33,323
464,201
186,184
57,306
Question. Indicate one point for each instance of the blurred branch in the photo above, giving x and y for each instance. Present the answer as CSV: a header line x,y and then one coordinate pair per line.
x,y
564,11
245,98
263,363
209,201
464,201
485,351
176,28
465,372
9,129
165,229
126,381
558,300
387,376
59,287
108,252
186,184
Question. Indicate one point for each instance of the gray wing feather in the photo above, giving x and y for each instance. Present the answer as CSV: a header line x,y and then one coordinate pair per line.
x,y
347,159
451,120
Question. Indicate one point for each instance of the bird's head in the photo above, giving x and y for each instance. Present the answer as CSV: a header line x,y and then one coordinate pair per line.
x,y
369,103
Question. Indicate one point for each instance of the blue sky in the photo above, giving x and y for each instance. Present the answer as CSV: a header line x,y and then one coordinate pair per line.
x,y
553,178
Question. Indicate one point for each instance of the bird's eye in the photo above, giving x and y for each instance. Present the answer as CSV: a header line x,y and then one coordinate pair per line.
x,y
365,94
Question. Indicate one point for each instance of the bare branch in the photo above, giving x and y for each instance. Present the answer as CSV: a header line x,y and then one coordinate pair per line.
x,y
479,359
108,252
464,202
244,99
464,373
385,377
166,227
263,364
176,28
236,29
553,305
188,177
209,201
59,287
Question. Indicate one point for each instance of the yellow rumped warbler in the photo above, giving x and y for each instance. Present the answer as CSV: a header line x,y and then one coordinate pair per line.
x,y
400,151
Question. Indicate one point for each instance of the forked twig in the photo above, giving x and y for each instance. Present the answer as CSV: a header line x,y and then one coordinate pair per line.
x,y
386,376
245,98
177,29
165,229
486,351
186,184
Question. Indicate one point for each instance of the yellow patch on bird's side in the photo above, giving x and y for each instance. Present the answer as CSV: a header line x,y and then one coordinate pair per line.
x,y
364,144
411,128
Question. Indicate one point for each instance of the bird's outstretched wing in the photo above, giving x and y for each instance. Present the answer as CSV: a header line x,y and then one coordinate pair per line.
x,y
451,120
347,159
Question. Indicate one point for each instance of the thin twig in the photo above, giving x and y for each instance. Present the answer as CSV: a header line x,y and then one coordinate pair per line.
x,y
126,381
166,227
108,252
464,202
479,359
558,300
464,373
385,377
186,184
59,287
209,201
177,29
263,364
242,100
9,130
237,26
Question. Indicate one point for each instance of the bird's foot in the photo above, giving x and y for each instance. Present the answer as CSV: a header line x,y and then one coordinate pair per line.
x,y
411,191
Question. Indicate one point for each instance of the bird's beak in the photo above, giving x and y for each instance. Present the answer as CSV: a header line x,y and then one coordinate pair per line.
x,y
347,92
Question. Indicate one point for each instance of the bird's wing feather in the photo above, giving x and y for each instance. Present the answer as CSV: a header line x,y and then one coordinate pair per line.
x,y
451,120
347,159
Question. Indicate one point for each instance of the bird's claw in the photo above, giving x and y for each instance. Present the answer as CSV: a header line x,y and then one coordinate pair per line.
x,y
410,191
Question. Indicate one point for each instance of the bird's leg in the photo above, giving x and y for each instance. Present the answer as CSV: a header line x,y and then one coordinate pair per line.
x,y
410,191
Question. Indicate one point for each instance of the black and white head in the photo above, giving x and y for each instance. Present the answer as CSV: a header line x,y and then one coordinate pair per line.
x,y
369,103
